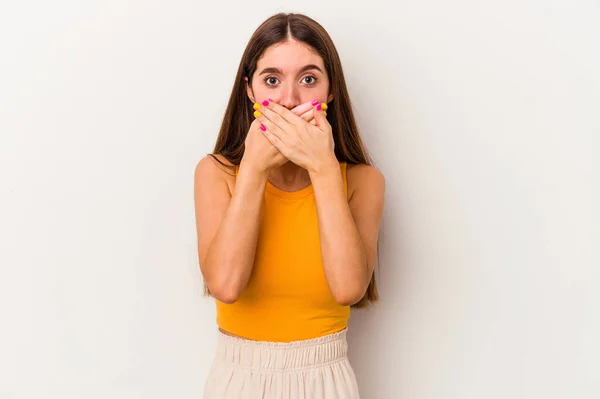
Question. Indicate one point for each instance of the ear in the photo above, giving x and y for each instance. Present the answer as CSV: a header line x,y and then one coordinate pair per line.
x,y
330,98
249,90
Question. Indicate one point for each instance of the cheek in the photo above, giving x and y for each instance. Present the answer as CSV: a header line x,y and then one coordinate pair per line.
x,y
261,94
317,93
306,94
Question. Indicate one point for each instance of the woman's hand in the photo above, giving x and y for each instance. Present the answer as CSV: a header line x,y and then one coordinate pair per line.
x,y
305,111
306,145
259,152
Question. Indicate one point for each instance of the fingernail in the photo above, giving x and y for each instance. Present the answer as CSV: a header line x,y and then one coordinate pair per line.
x,y
265,103
257,114
256,105
263,127
324,113
315,102
324,106
319,107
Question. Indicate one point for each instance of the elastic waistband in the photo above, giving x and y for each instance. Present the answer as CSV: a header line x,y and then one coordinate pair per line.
x,y
280,356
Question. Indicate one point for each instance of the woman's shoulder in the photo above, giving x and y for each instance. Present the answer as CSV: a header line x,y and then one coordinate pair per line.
x,y
216,168
362,175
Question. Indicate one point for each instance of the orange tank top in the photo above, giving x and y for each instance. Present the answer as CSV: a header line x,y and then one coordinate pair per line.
x,y
287,297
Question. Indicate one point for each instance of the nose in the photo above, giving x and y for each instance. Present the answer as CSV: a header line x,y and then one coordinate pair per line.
x,y
289,96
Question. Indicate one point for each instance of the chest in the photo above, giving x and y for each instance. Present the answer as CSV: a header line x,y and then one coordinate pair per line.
x,y
288,253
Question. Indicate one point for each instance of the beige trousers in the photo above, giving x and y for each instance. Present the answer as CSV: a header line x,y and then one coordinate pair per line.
x,y
310,369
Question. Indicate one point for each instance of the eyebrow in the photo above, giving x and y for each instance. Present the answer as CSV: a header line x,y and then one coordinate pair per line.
x,y
278,71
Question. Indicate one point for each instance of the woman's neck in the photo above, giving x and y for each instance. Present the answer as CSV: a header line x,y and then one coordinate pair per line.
x,y
289,177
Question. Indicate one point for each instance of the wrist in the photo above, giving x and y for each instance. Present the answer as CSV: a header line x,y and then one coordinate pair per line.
x,y
253,167
324,166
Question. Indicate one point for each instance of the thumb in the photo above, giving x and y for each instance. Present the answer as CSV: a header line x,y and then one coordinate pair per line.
x,y
320,115
255,124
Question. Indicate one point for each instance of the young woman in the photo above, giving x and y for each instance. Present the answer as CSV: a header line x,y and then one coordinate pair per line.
x,y
288,210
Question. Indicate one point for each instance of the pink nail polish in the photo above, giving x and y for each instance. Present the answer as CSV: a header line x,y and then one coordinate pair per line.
x,y
319,107
262,127
265,103
315,102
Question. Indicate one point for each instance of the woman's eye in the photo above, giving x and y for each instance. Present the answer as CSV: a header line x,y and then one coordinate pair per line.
x,y
272,81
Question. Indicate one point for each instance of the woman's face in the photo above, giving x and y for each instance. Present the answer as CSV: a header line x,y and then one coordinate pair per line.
x,y
290,74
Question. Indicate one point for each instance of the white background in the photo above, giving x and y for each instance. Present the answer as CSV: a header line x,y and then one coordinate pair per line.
x,y
483,116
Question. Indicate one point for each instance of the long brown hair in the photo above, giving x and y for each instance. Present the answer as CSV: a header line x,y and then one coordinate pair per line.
x,y
349,146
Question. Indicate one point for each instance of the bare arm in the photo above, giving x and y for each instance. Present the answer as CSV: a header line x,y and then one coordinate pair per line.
x,y
227,225
349,230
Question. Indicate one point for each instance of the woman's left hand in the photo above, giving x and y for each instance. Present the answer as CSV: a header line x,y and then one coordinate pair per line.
x,y
306,145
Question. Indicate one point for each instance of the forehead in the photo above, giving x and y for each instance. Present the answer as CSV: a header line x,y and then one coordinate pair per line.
x,y
289,56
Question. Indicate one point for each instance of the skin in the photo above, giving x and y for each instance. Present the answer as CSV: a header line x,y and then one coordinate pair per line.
x,y
228,209
294,90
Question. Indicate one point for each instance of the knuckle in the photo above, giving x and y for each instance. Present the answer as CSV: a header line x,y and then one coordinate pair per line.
x,y
277,118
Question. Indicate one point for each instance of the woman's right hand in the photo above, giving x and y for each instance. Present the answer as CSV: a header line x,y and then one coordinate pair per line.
x,y
259,151
305,111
